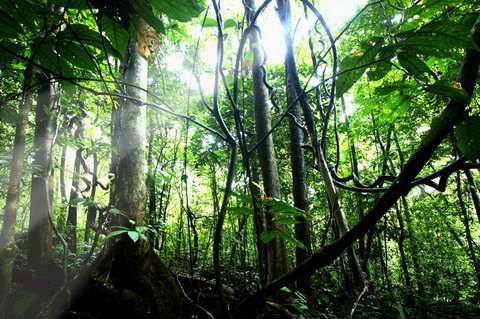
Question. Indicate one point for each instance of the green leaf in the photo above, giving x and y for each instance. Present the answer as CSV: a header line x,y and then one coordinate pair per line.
x,y
268,235
414,65
9,27
445,89
437,38
50,60
76,55
210,23
277,207
240,211
379,71
229,23
83,34
7,51
467,134
352,68
133,235
287,221
394,87
291,239
181,10
116,33
145,11
72,4
116,233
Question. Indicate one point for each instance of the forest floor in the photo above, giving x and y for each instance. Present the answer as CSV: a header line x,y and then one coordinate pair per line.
x,y
148,289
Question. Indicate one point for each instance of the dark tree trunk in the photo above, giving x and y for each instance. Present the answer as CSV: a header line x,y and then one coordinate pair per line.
x,y
472,187
39,249
468,234
299,186
92,207
276,258
74,192
8,249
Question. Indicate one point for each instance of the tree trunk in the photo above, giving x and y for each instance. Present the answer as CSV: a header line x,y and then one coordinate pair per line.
x,y
299,186
74,193
39,249
403,257
358,278
92,206
468,234
472,187
129,269
8,249
277,262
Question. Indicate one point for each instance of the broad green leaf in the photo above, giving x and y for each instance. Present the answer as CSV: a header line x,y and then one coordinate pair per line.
x,y
240,211
7,51
9,27
72,4
352,68
145,11
449,90
116,233
52,61
229,23
378,71
210,23
133,235
268,235
116,33
393,87
292,240
287,221
414,65
467,134
74,53
83,34
181,10
437,38
276,207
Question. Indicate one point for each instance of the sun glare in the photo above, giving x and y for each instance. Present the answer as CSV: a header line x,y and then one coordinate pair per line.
x,y
335,12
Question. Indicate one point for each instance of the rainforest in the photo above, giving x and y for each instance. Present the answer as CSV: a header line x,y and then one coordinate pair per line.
x,y
239,159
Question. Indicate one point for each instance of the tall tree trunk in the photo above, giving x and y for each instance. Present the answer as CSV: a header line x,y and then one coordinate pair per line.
x,y
74,193
403,257
358,279
39,249
413,249
8,249
277,262
63,160
468,234
299,186
92,206
472,187
130,190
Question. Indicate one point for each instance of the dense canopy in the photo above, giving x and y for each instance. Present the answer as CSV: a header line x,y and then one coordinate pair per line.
x,y
239,159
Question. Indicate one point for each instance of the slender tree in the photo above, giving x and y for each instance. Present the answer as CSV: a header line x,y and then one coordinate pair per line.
x,y
8,249
40,231
277,262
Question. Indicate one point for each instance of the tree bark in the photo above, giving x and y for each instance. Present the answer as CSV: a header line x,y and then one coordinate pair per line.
x,y
130,190
277,260
468,234
8,249
297,160
39,249
472,187
74,193
358,283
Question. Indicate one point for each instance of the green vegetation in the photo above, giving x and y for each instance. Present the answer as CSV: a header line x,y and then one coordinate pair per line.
x,y
239,159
